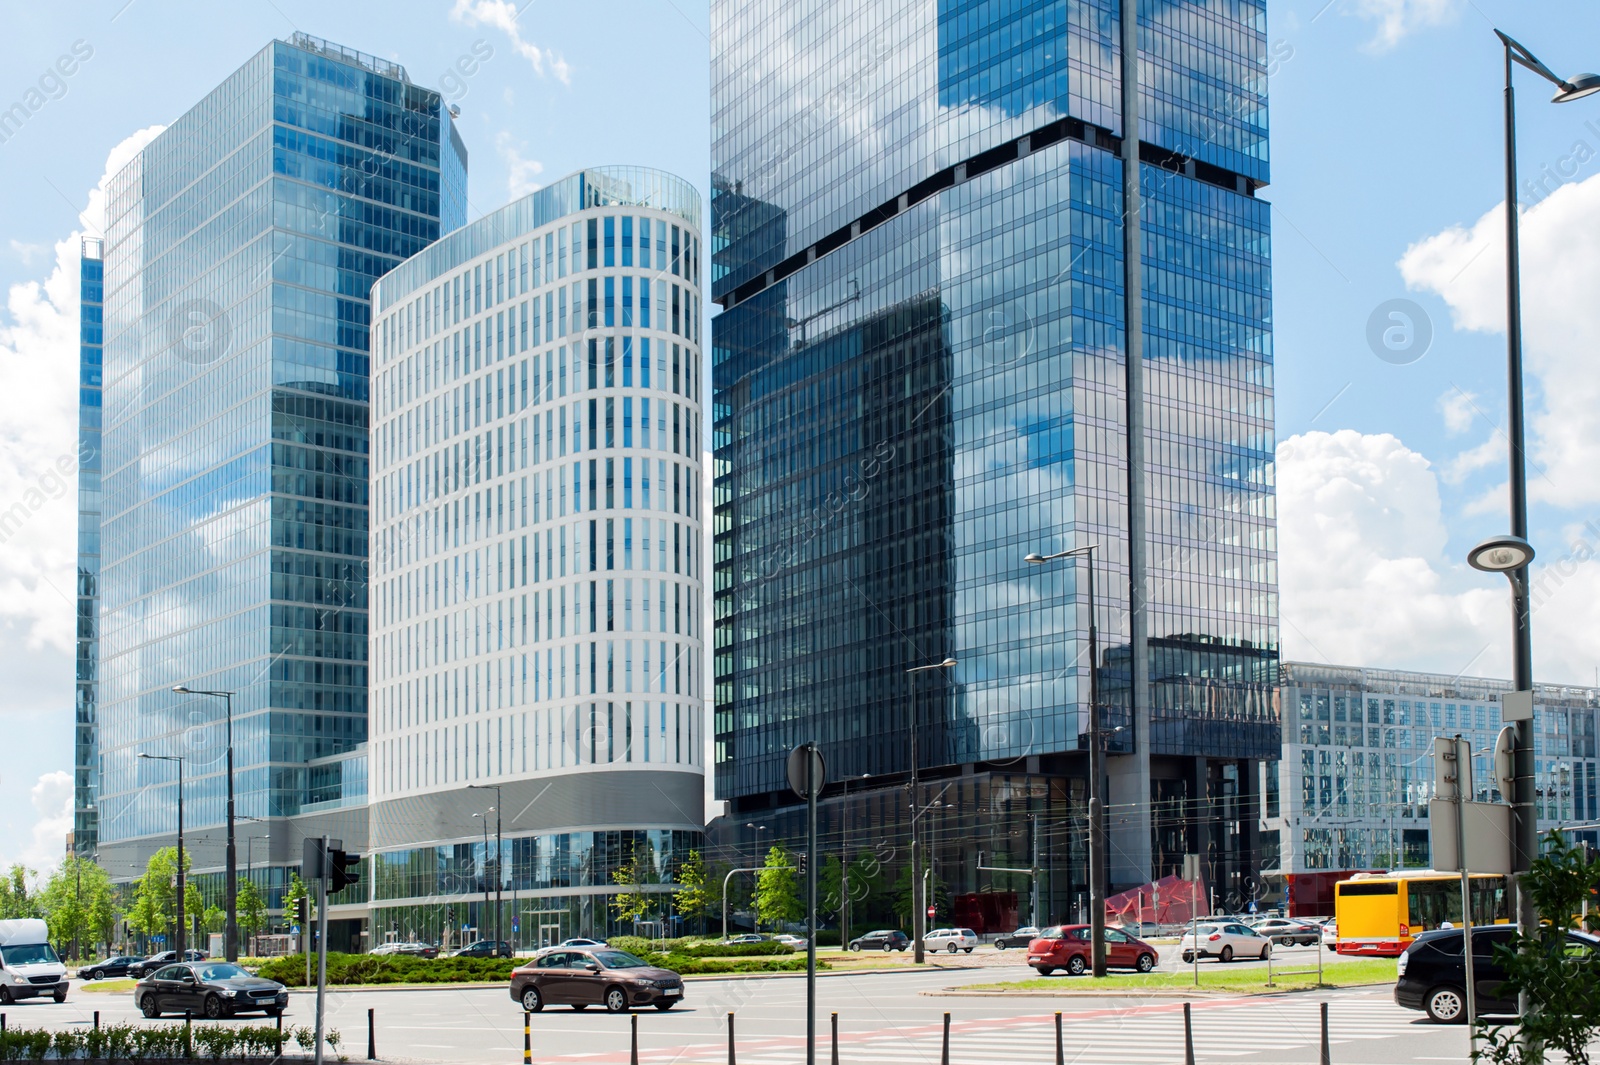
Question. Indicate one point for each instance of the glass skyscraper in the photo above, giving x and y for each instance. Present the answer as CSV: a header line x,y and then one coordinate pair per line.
x,y
85,740
242,245
919,372
536,568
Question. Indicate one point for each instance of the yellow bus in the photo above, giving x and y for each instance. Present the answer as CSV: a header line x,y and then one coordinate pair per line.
x,y
1379,913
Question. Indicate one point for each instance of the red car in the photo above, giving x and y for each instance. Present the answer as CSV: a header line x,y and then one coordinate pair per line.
x,y
1069,947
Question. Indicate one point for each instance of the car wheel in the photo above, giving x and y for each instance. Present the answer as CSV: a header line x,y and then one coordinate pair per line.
x,y
856,947
1044,970
98,974
666,1004
1446,1005
213,1007
954,948
1266,948
1145,963
967,949
532,1001
999,945
1187,958
1227,954
580,1006
616,1000
1076,965
60,994
149,1008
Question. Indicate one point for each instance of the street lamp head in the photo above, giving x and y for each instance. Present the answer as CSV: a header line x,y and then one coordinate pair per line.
x,y
181,689
1501,554
1577,88
1034,557
948,663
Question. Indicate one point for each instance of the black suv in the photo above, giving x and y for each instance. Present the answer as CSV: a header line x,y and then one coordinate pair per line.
x,y
1433,973
485,948
884,939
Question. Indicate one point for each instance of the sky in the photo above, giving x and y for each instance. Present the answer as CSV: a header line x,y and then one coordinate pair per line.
x,y
1389,314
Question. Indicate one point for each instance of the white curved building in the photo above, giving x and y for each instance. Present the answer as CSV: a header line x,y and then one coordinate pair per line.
x,y
535,576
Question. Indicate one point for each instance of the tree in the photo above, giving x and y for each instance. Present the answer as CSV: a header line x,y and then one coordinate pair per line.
x,y
291,906
252,909
79,904
194,911
830,886
694,898
778,890
16,899
938,896
632,904
1562,985
155,895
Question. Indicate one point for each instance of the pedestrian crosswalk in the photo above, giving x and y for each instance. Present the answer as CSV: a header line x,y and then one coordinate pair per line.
x,y
1237,1030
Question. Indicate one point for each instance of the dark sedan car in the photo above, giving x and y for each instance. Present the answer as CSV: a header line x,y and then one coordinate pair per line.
x,y
1433,972
883,939
209,988
1020,938
485,948
167,957
601,976
122,965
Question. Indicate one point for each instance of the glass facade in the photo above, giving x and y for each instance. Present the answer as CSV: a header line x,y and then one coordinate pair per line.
x,y
86,740
537,584
241,249
919,379
1357,768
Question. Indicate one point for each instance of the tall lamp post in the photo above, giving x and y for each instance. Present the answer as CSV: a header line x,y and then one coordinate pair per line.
x,y
1097,825
178,938
499,846
919,916
485,816
230,887
1511,554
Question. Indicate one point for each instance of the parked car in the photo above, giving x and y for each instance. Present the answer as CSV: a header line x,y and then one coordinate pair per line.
x,y
141,969
883,939
1225,941
1070,947
575,943
110,968
600,976
1020,938
792,942
1330,935
951,939
1288,933
748,937
210,988
415,950
1433,973
485,948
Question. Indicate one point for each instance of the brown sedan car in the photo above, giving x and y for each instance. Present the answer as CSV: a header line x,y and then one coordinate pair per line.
x,y
599,976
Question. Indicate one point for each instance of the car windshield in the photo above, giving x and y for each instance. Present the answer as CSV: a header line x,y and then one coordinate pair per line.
x,y
220,971
29,954
619,959
1053,933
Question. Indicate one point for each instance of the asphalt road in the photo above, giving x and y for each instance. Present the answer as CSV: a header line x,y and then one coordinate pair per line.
x,y
884,1019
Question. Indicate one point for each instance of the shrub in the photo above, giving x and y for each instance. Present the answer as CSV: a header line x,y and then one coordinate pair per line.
x,y
346,969
70,1044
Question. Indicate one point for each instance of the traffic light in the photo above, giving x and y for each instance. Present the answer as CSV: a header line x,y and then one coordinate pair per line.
x,y
344,869
304,915
802,858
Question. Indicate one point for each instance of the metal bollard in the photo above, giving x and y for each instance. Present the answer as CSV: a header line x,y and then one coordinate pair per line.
x,y
1061,1050
1188,1036
97,1020
731,1059
2,1024
1327,1056
372,1038
527,1037
188,1045
944,1055
633,1053
834,1060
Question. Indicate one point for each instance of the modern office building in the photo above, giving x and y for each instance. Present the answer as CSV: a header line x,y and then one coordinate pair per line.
x,y
920,379
1352,790
85,740
241,248
537,601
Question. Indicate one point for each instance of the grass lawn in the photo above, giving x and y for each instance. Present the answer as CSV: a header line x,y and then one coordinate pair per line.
x,y
1214,976
101,986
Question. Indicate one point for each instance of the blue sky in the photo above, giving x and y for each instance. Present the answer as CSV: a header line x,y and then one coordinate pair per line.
x,y
1385,146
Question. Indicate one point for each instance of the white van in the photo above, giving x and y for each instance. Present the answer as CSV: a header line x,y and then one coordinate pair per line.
x,y
28,964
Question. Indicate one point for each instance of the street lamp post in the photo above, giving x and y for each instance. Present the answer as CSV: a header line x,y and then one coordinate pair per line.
x,y
485,816
499,846
844,862
230,887
178,937
919,916
1097,827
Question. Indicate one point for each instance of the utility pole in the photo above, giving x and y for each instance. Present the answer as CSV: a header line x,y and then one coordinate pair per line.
x,y
499,849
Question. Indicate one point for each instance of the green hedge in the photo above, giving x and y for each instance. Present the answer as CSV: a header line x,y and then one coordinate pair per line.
x,y
698,947
127,1042
691,965
345,969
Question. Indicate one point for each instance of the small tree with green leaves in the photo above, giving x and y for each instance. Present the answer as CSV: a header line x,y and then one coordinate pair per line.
x,y
155,896
633,902
778,890
17,898
1560,978
79,904
292,895
252,909
694,898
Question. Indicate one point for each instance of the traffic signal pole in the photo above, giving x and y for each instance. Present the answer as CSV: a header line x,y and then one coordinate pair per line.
x,y
322,945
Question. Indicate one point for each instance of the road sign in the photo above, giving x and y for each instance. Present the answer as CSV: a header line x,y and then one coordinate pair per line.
x,y
294,929
1252,906
158,939
931,912
516,925
797,770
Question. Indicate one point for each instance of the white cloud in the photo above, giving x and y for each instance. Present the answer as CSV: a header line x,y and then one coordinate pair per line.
x,y
502,15
1398,19
1560,274
520,172
1365,578
1492,452
26,252
1458,409
45,841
